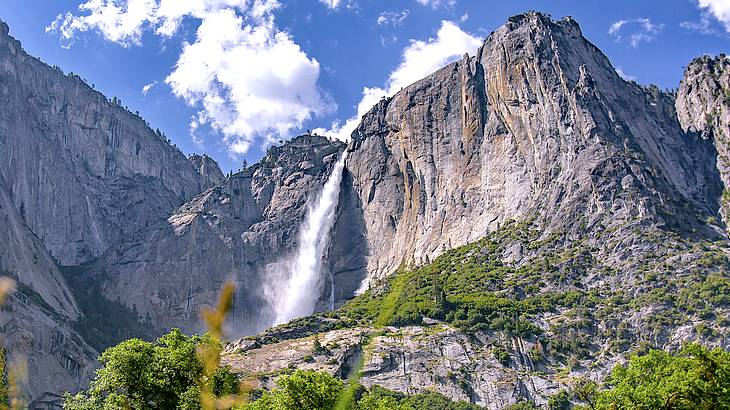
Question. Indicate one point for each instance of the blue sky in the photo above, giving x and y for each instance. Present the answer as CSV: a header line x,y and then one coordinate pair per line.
x,y
231,76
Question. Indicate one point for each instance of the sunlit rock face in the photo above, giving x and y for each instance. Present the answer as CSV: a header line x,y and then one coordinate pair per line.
x,y
537,125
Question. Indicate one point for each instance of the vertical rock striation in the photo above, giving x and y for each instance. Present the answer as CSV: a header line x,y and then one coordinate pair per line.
x,y
233,231
85,170
537,125
703,107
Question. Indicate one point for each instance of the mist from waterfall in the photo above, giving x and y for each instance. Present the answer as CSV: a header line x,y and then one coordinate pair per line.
x,y
295,283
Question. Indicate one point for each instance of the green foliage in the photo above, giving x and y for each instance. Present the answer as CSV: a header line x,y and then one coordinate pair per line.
x,y
523,405
165,374
4,399
319,391
473,289
300,390
695,378
559,401
378,398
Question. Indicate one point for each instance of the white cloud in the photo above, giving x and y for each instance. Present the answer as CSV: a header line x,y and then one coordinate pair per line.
x,y
720,9
251,80
703,26
434,4
420,59
146,89
392,18
625,76
635,31
710,9
331,4
248,79
464,17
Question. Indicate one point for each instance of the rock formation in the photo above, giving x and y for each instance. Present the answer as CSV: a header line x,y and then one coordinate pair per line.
x,y
703,107
86,171
537,125
230,232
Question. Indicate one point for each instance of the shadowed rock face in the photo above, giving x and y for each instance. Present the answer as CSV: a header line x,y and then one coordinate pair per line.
x,y
538,125
35,323
233,231
703,107
86,171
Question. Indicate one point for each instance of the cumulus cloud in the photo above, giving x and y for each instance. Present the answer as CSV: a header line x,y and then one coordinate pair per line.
x,y
420,58
331,4
434,4
248,79
392,18
635,31
718,10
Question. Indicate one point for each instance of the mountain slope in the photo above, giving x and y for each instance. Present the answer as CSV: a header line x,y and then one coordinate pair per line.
x,y
234,231
536,125
85,170
36,322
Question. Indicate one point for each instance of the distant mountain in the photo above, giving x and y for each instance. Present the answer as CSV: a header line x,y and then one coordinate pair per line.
x,y
518,219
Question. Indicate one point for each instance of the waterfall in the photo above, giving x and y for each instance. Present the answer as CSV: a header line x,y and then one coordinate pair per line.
x,y
298,279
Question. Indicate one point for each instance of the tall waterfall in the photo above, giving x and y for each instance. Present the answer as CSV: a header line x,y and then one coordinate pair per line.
x,y
299,278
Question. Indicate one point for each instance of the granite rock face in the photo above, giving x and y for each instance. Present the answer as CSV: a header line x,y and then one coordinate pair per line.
x,y
703,107
208,168
538,125
233,231
36,322
86,171
621,183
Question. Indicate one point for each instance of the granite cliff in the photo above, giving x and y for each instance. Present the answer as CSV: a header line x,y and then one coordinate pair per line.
x,y
530,219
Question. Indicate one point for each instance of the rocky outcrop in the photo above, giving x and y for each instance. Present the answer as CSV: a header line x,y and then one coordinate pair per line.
x,y
409,360
36,322
86,171
537,125
208,168
622,183
234,231
703,107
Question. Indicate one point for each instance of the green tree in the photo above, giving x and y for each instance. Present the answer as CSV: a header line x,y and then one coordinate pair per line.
x,y
694,378
165,374
559,401
300,390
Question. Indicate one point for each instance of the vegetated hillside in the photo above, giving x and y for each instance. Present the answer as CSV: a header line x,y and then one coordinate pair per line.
x,y
577,216
479,324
